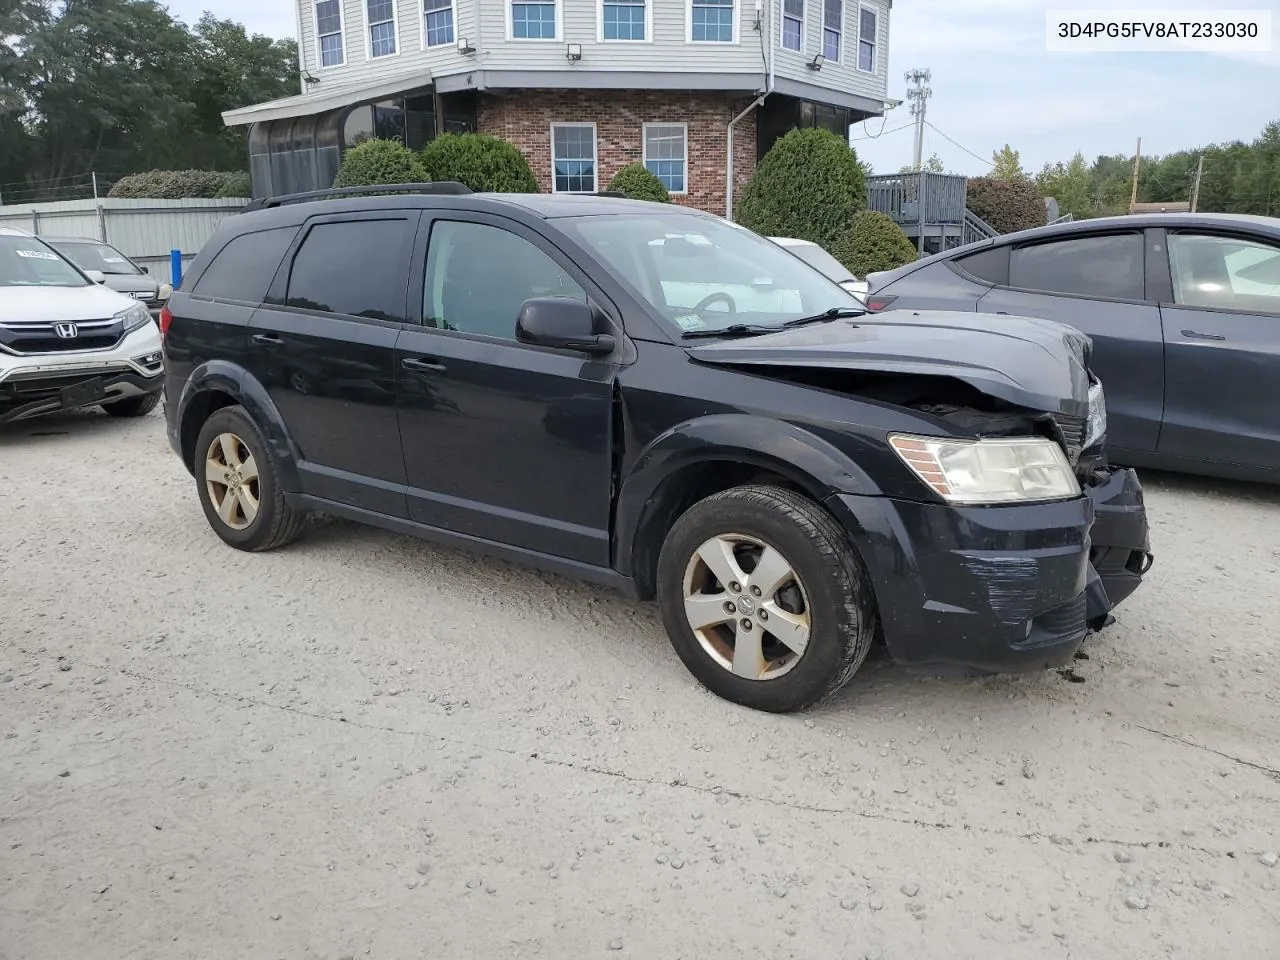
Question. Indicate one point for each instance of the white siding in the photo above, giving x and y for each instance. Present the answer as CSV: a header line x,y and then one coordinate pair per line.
x,y
843,76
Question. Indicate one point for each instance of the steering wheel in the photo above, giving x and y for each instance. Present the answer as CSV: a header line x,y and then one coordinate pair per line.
x,y
712,298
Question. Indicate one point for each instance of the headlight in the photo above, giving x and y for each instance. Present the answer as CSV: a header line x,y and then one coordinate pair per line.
x,y
134,317
1000,470
1096,426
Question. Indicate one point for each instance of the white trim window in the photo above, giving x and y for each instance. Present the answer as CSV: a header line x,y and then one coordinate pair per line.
x,y
832,27
330,45
666,154
868,27
533,20
573,158
712,21
384,33
624,20
437,22
793,25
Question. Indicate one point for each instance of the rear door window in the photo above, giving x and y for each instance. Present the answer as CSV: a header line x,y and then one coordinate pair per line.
x,y
1108,267
244,268
353,267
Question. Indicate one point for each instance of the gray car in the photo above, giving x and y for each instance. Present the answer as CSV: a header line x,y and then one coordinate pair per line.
x,y
107,265
1183,311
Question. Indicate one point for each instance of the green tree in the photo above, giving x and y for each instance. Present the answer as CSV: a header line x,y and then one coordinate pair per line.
x,y
933,164
1070,184
485,163
1006,164
808,186
373,162
873,242
639,183
1007,205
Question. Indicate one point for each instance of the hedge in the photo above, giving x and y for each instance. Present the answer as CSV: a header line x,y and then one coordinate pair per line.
x,y
1007,205
373,162
484,163
873,242
179,184
808,186
236,185
639,183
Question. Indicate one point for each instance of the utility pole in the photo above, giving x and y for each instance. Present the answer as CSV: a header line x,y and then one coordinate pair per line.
x,y
919,96
1195,188
1137,162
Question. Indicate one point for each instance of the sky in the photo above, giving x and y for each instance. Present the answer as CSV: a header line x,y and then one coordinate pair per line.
x,y
994,83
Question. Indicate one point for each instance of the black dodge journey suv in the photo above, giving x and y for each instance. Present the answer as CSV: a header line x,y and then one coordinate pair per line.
x,y
663,402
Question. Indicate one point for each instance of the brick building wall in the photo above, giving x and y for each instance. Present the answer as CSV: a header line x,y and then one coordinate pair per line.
x,y
525,117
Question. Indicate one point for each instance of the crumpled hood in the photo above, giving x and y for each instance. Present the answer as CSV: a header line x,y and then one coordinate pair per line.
x,y
1032,363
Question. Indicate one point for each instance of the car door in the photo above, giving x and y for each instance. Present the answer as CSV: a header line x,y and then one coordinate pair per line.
x,y
324,348
1222,349
503,441
1096,282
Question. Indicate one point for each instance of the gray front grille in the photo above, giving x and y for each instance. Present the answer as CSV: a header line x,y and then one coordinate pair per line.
x,y
1073,431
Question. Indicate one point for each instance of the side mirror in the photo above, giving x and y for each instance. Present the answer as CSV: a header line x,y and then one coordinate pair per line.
x,y
562,322
97,276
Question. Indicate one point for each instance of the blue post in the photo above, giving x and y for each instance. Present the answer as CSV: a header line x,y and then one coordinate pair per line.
x,y
175,267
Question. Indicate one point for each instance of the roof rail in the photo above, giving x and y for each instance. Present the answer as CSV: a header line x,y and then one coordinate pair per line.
x,y
438,188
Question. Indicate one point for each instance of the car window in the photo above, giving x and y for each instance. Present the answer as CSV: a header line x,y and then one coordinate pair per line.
x,y
478,276
97,256
704,273
244,268
352,267
1225,273
28,262
1097,267
991,265
820,260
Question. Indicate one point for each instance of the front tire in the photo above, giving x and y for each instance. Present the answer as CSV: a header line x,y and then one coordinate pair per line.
x,y
764,599
238,482
138,406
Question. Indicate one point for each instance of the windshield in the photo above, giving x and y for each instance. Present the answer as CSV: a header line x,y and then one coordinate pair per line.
x,y
820,260
97,256
28,262
705,274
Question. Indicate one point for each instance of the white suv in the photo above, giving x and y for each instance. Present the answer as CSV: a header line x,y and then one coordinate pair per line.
x,y
66,341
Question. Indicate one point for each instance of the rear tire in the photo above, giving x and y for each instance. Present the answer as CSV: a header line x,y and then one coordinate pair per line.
x,y
138,406
810,591
238,482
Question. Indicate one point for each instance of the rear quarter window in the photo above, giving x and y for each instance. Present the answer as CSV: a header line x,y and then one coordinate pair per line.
x,y
245,267
990,265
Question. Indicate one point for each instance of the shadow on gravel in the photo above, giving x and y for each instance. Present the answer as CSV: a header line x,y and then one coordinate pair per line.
x,y
1211,487
72,424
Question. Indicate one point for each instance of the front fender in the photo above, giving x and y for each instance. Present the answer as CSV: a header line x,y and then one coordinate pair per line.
x,y
779,447
229,379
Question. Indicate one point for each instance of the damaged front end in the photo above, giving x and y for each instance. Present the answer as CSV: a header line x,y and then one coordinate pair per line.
x,y
1120,552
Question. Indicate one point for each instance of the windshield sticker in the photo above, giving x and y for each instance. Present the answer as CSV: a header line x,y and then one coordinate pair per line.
x,y
113,259
36,254
690,321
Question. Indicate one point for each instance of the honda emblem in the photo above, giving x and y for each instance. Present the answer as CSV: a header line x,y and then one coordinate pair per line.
x,y
66,331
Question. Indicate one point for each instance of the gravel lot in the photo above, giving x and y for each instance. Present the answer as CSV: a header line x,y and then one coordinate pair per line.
x,y
367,746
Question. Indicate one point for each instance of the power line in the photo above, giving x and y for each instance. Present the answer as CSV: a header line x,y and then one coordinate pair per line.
x,y
958,145
875,136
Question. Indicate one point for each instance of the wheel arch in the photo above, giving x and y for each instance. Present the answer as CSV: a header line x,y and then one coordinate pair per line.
x,y
698,458
219,384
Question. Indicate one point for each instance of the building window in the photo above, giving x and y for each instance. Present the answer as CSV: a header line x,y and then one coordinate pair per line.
x,y
793,25
711,21
533,21
438,21
622,20
867,28
832,19
573,157
382,27
665,154
329,33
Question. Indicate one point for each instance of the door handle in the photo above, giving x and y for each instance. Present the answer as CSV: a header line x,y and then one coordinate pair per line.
x,y
267,339
422,366
1193,335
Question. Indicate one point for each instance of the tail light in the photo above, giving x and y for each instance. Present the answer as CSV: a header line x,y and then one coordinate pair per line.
x,y
166,318
877,303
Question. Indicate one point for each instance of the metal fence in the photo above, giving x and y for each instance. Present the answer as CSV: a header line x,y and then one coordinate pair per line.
x,y
143,230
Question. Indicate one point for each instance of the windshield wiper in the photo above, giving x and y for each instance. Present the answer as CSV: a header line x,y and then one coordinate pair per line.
x,y
833,313
733,330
